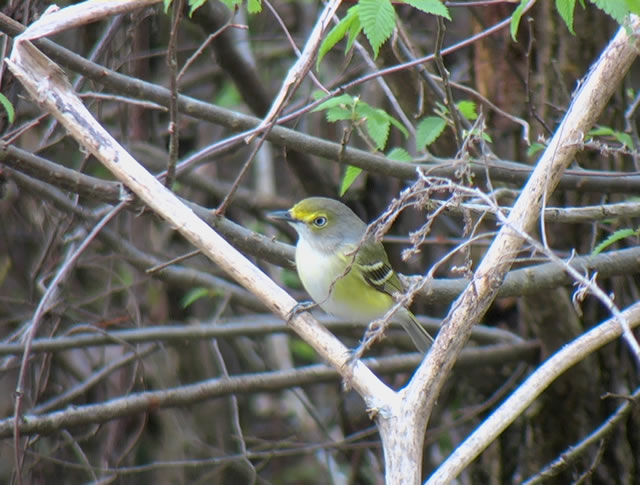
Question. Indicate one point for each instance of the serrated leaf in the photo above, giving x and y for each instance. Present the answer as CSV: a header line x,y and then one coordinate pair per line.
x,y
614,8
429,129
566,8
254,6
399,155
467,109
8,107
364,110
377,123
434,7
350,176
516,17
378,20
194,295
336,34
613,238
342,100
378,130
399,126
338,113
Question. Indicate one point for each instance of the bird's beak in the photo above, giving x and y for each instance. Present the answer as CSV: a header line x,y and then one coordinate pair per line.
x,y
281,216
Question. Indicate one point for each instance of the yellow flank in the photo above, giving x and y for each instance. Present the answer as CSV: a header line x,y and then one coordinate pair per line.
x,y
367,300
351,296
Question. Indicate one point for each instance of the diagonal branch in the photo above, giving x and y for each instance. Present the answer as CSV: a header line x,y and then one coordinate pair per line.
x,y
535,384
590,100
47,84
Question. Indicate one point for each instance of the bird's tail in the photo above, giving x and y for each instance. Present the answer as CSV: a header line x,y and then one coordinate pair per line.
x,y
421,338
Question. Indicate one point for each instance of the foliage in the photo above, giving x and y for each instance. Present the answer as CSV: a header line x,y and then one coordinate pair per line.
x,y
377,19
377,124
616,236
623,138
617,9
8,107
253,6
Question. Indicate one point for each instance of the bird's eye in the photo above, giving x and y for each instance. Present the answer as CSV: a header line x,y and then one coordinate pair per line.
x,y
319,221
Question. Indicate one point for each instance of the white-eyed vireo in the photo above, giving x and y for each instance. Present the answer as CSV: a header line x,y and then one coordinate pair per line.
x,y
330,241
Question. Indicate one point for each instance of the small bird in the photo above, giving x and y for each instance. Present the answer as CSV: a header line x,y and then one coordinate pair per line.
x,y
330,240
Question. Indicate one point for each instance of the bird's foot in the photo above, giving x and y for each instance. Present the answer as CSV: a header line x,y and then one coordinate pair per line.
x,y
303,306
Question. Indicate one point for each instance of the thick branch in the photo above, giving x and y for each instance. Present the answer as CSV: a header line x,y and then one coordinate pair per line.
x,y
258,382
588,103
528,391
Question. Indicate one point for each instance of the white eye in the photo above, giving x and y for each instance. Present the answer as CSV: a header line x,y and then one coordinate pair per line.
x,y
319,221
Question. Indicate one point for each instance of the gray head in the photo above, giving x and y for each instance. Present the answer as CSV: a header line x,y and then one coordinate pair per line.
x,y
324,223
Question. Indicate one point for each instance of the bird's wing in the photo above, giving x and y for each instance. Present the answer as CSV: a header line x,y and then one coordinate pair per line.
x,y
374,264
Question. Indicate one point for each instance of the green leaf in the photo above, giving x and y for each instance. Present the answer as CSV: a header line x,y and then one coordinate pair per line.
x,y
377,123
254,6
364,110
429,129
625,139
633,6
231,4
516,17
350,175
228,95
354,30
616,9
342,100
434,7
166,4
616,236
291,279
378,130
378,21
486,137
196,4
467,109
8,107
399,126
601,131
620,136
535,148
194,295
336,34
566,8
399,155
302,350
338,113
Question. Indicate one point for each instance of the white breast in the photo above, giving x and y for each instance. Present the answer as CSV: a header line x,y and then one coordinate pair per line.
x,y
318,271
314,270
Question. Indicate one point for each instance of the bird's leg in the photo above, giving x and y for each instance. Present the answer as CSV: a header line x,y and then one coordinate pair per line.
x,y
303,306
